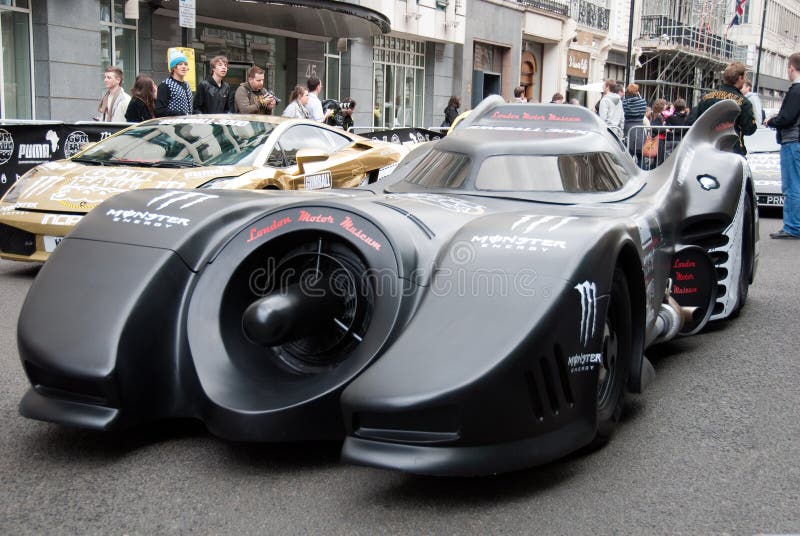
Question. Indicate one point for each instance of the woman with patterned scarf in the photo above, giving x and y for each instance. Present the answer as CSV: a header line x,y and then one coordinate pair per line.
x,y
174,97
297,104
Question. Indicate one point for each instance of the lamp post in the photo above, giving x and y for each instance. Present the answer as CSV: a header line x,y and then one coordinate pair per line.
x,y
630,46
760,46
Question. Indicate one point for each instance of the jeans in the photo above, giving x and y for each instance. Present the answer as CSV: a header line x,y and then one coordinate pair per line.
x,y
790,178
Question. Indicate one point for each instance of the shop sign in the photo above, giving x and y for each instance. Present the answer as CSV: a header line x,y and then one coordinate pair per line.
x,y
578,64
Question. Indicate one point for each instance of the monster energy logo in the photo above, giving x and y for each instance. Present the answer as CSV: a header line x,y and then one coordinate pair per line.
x,y
588,292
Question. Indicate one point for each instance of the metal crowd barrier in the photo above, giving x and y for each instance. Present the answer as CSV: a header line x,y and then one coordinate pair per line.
x,y
651,154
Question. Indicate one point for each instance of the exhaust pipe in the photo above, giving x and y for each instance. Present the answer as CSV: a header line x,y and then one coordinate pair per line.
x,y
672,317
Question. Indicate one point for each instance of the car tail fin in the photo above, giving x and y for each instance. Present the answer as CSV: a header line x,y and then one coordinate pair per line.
x,y
714,127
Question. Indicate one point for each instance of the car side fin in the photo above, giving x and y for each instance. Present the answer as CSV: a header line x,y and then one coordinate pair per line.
x,y
714,127
480,110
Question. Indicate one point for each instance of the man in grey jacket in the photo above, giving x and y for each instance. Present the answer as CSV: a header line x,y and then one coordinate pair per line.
x,y
610,109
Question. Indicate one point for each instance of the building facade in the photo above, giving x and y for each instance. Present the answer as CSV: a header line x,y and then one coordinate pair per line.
x,y
400,60
781,22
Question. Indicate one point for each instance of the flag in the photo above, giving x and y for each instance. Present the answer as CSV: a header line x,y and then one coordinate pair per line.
x,y
738,14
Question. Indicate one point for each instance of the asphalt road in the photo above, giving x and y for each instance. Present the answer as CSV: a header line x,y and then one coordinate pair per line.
x,y
711,447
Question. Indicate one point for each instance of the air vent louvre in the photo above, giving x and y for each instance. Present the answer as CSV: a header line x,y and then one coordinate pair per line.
x,y
533,396
549,384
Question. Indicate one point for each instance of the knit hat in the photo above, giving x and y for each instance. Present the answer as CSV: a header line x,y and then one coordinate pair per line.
x,y
175,57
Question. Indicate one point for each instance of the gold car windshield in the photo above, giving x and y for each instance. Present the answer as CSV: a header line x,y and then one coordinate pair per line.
x,y
193,141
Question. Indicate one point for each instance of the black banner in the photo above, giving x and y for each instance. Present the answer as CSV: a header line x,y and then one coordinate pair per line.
x,y
403,135
24,145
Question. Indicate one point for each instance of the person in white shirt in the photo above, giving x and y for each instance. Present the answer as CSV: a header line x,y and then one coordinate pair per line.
x,y
115,102
314,104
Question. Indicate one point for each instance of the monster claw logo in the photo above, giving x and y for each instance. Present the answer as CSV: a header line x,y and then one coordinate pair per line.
x,y
588,292
190,198
529,222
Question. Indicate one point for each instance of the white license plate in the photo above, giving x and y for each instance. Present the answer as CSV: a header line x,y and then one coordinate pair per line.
x,y
317,181
50,243
772,200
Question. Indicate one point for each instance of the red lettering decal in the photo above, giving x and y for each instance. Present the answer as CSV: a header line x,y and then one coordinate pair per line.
x,y
499,115
319,218
348,225
683,264
256,233
554,117
683,290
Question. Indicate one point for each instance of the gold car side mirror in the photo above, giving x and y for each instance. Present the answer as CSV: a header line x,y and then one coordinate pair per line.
x,y
309,156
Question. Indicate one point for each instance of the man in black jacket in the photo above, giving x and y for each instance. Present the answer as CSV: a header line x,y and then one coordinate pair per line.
x,y
731,89
213,94
788,124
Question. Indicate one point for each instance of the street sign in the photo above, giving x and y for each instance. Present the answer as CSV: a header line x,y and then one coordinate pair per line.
x,y
186,13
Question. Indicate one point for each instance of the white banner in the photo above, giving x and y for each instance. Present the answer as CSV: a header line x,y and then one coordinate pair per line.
x,y
131,9
186,13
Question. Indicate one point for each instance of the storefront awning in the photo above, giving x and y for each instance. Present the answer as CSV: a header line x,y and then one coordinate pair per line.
x,y
324,18
596,87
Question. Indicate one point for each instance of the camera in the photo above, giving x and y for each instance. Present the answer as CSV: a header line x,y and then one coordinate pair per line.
x,y
335,112
274,96
338,106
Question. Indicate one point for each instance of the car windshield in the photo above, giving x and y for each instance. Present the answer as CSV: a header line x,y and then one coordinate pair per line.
x,y
762,141
178,141
571,173
440,169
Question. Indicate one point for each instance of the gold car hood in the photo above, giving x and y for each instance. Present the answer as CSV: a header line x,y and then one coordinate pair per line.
x,y
65,186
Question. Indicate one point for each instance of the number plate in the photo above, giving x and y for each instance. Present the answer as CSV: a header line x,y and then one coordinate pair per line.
x,y
317,181
50,243
771,200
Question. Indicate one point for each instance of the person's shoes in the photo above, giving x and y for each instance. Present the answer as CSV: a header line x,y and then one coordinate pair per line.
x,y
783,234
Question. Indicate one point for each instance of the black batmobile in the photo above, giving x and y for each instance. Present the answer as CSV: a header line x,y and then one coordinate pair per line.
x,y
486,312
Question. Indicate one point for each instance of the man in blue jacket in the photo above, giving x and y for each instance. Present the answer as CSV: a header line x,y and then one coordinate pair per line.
x,y
788,124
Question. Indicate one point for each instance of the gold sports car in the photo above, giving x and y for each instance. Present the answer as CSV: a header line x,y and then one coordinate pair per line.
x,y
200,151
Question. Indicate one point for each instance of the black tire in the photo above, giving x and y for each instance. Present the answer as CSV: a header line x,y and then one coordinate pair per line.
x,y
616,362
748,255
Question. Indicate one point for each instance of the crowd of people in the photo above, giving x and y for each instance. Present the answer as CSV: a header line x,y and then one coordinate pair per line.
x,y
650,131
173,96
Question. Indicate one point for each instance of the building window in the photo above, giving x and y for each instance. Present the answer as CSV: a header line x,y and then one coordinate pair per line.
x,y
16,67
333,84
399,82
118,40
243,50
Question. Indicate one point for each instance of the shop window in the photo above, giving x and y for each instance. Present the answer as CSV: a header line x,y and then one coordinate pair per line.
x,y
118,41
16,76
399,82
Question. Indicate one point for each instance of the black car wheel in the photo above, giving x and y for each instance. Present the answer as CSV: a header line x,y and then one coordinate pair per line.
x,y
613,373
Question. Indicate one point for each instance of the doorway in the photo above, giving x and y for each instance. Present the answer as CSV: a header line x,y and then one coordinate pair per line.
x,y
484,84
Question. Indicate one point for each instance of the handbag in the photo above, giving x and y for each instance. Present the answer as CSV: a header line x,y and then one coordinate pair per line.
x,y
650,147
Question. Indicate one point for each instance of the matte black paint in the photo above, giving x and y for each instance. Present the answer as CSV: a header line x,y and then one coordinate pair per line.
x,y
443,370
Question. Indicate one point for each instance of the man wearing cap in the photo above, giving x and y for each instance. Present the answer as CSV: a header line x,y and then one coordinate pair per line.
x,y
174,97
